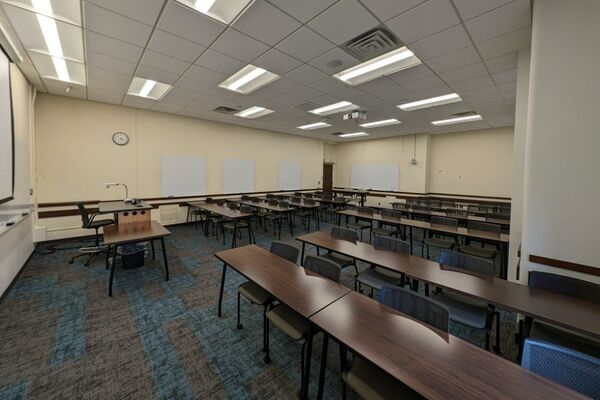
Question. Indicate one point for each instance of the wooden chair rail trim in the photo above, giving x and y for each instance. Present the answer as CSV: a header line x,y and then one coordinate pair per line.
x,y
585,269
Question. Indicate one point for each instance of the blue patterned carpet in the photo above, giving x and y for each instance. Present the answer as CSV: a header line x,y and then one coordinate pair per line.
x,y
62,337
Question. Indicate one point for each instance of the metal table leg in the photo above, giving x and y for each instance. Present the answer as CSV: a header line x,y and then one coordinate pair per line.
x,y
222,290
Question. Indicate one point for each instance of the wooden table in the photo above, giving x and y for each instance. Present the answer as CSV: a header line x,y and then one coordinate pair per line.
x,y
560,310
359,192
307,206
264,205
302,290
500,238
442,212
435,364
224,211
134,232
126,212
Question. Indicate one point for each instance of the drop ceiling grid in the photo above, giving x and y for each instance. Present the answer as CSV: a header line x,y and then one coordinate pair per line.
x,y
489,54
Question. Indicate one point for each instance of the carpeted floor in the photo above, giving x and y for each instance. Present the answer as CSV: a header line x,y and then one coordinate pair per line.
x,y
62,337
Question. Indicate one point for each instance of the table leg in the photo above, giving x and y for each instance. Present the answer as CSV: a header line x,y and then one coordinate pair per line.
x,y
222,290
108,249
309,339
164,249
504,260
410,235
289,216
153,251
112,270
323,366
233,239
302,254
250,232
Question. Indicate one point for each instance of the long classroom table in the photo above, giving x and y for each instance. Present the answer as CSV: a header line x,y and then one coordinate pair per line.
x,y
431,362
264,205
579,315
500,238
224,211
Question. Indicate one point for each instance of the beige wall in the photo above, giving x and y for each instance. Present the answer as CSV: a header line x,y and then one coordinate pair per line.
x,y
472,163
16,243
76,155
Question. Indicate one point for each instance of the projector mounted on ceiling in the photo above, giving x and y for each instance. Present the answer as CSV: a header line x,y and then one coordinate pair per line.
x,y
355,115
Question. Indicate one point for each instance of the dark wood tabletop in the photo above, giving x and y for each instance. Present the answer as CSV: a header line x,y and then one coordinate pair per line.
x,y
110,207
300,289
491,236
133,232
303,204
220,210
433,363
442,212
565,311
266,206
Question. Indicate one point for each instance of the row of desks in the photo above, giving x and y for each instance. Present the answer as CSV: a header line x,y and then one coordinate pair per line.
x,y
433,363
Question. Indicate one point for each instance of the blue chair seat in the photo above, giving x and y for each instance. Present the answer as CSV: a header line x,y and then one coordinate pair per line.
x,y
554,334
464,309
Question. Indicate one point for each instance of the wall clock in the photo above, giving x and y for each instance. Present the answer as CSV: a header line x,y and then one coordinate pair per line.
x,y
120,138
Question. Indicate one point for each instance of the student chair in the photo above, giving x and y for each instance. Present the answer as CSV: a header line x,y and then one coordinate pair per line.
x,y
481,251
361,225
87,222
439,242
376,277
339,259
387,229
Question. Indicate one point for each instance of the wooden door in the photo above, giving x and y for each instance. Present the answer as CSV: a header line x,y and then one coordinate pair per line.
x,y
327,177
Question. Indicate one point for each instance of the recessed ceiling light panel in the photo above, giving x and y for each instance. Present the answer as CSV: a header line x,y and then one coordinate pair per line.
x,y
432,102
316,125
248,79
148,88
458,120
334,108
254,112
225,11
355,134
388,63
384,122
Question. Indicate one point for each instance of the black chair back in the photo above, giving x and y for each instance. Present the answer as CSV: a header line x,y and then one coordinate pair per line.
x,y
565,285
85,216
391,244
344,234
423,308
285,250
483,226
444,221
324,267
469,263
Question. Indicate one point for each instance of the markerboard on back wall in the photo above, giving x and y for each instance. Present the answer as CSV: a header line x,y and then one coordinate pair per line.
x,y
182,175
238,175
375,176
290,175
7,166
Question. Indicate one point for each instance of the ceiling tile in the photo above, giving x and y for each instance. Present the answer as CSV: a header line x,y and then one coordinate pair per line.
x,y
104,96
425,19
58,88
509,75
306,93
453,60
167,107
411,74
386,89
107,75
188,24
441,43
328,85
277,62
303,10
305,74
220,62
252,23
205,75
472,8
145,11
334,57
460,74
112,47
509,43
239,45
423,84
344,21
386,9
305,44
110,63
174,46
163,62
287,100
120,88
284,85
502,63
183,93
193,84
481,82
137,102
116,26
511,17
155,74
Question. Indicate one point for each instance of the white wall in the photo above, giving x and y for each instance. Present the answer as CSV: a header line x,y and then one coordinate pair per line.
x,y
562,194
16,244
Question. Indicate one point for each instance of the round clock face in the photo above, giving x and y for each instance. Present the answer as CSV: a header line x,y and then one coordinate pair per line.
x,y
120,138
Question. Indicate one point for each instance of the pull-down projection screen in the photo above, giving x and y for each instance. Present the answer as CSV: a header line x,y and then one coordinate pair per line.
x,y
6,132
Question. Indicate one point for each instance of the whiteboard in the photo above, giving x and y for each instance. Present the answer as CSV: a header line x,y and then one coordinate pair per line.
x,y
6,132
238,175
182,175
375,176
290,175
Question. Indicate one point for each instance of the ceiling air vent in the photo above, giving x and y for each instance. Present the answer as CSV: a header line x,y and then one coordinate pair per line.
x,y
226,110
374,43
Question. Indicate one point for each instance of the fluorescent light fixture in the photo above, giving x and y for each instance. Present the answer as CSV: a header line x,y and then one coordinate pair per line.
x,y
248,79
334,108
384,122
457,120
254,112
316,125
432,102
225,11
147,88
355,134
386,64
50,33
